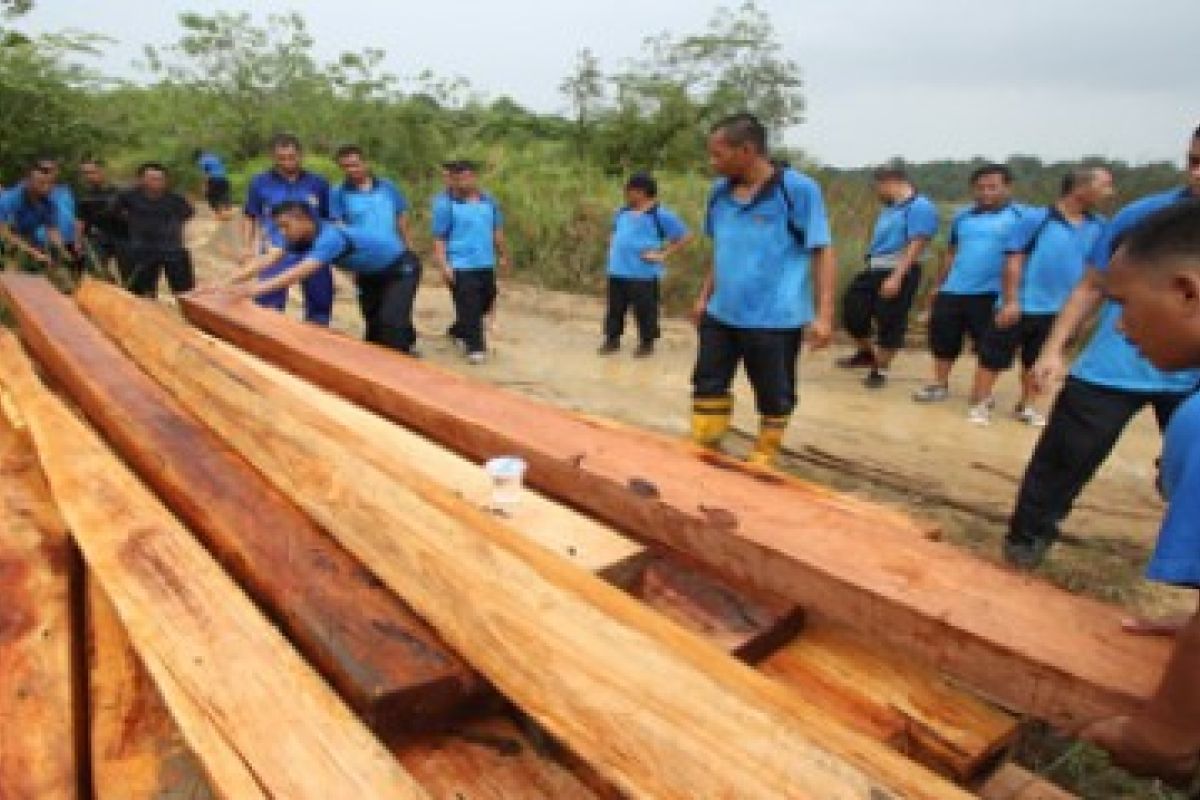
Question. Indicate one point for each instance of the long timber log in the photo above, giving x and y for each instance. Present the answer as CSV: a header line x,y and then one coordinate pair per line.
x,y
1020,641
656,710
386,662
261,722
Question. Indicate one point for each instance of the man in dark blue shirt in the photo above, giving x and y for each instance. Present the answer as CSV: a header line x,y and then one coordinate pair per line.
x,y
376,259
155,217
263,241
1154,282
105,232
883,293
644,235
1109,383
771,254
30,221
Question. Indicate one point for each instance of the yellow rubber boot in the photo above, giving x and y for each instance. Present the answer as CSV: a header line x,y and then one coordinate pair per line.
x,y
710,419
770,439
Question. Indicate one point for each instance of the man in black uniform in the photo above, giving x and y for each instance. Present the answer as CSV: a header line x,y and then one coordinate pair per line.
x,y
156,216
104,230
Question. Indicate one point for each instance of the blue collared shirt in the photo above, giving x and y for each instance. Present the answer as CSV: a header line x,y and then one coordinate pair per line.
x,y
269,189
468,227
635,232
978,237
1176,558
361,250
1109,359
900,223
64,199
1056,251
762,270
375,207
27,217
212,165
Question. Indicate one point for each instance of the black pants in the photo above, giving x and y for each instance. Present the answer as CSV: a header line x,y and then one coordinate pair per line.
x,y
862,306
770,357
386,300
999,348
109,249
956,317
146,266
643,296
474,295
1083,428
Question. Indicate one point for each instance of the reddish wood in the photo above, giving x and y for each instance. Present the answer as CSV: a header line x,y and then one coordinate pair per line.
x,y
387,663
1035,648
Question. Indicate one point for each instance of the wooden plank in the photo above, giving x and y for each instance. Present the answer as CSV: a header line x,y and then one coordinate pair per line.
x,y
579,539
221,667
1013,782
656,710
1019,640
386,662
40,753
137,750
488,759
888,696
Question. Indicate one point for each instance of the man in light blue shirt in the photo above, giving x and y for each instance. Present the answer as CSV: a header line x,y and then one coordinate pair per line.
x,y
366,202
771,254
644,235
1046,256
883,293
216,183
469,243
966,290
1108,385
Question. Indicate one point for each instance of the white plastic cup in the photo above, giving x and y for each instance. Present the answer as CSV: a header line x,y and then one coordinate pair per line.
x,y
508,475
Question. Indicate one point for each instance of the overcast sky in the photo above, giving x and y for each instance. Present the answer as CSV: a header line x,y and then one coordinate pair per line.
x,y
922,79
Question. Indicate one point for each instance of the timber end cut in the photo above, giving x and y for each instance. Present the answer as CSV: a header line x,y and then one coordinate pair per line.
x,y
1022,642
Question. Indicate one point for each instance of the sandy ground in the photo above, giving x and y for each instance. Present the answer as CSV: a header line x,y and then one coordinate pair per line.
x,y
879,444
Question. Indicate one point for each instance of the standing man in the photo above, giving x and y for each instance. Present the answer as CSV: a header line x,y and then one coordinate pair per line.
x,y
966,289
366,202
1108,385
216,183
288,180
1155,276
771,254
31,223
104,230
156,216
644,235
1045,258
376,259
883,293
469,242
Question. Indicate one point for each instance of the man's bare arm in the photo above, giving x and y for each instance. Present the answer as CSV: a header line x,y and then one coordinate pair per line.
x,y
1085,300
824,261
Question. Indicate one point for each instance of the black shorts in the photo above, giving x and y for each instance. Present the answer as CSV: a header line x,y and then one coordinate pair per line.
x,y
217,193
956,317
148,265
770,357
862,305
998,350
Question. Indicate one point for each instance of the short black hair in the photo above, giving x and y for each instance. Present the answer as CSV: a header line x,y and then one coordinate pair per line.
x,y
743,129
151,166
83,162
463,165
1080,176
1169,234
643,182
347,150
992,169
890,172
288,207
281,141
1196,135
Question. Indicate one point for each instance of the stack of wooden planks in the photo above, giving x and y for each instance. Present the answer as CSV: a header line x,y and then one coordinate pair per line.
x,y
290,585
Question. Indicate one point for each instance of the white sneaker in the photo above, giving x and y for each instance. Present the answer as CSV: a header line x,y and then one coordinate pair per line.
x,y
478,357
1031,416
981,413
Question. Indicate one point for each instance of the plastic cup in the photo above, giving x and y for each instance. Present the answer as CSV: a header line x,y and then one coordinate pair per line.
x,y
508,476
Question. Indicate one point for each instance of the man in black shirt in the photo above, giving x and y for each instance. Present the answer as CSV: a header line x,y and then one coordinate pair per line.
x,y
156,216
104,230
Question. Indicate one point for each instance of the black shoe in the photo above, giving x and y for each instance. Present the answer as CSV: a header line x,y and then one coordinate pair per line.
x,y
644,350
875,379
609,347
1025,554
863,359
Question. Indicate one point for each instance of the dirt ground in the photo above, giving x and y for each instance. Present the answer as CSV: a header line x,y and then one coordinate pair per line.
x,y
928,459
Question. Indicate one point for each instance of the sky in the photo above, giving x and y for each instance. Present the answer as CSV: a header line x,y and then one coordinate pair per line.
x,y
920,79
